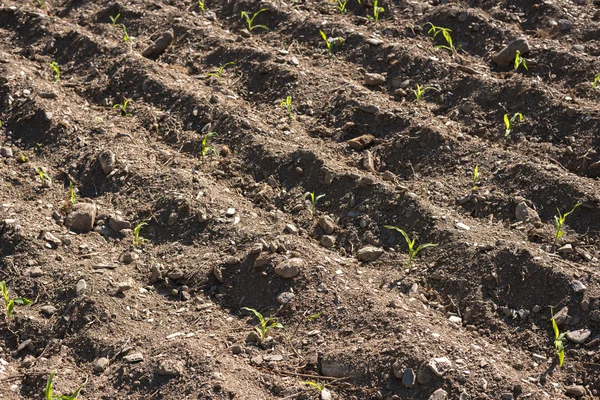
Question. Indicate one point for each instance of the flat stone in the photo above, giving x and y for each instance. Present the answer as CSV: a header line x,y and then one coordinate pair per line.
x,y
50,238
290,268
327,241
171,368
369,253
273,357
565,24
577,286
579,336
507,55
566,249
81,218
561,315
175,274
374,79
122,287
230,212
48,310
6,152
439,366
455,319
575,390
506,396
285,297
133,358
291,228
439,394
464,227
100,364
257,360
118,223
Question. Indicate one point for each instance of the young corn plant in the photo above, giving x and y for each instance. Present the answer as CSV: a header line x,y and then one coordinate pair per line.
x,y
250,21
44,177
419,92
559,221
558,341
508,122
330,42
56,70
312,207
9,304
205,146
476,175
123,108
219,72
114,19
201,5
137,239
126,37
50,390
72,194
40,3
287,104
340,5
376,11
412,251
595,82
519,60
265,325
318,386
446,33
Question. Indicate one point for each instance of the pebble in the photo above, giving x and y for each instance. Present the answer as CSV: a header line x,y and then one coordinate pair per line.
x,y
48,310
118,223
171,368
327,241
175,274
460,225
579,336
258,360
133,358
455,319
36,272
218,273
253,337
439,394
327,224
566,249
159,46
506,56
53,240
6,152
369,253
291,228
107,160
100,364
506,396
538,357
236,349
172,219
122,287
440,366
325,394
80,287
577,286
565,24
409,378
361,142
525,213
290,268
374,79
285,297
230,212
575,390
27,361
81,218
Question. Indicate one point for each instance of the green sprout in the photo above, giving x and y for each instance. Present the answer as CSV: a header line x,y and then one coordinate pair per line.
x,y
476,175
201,5
44,177
419,92
265,325
341,5
509,122
376,11
559,221
250,21
126,37
435,30
40,3
595,82
72,194
412,251
137,239
287,104
56,69
22,158
313,201
315,316
320,386
50,387
558,341
330,42
205,146
219,72
123,108
114,19
519,60
10,303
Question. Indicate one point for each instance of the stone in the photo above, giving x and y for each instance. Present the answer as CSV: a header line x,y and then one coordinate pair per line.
x,y
108,161
27,361
461,226
175,274
594,169
439,366
118,223
327,241
100,364
409,378
285,297
253,337
456,319
369,253
577,286
506,396
171,368
361,142
372,79
525,213
290,268
579,336
398,369
48,310
566,249
230,212
565,24
326,394
218,273
161,44
133,358
575,390
257,360
439,394
81,218
561,315
50,238
389,176
6,152
327,224
291,229
334,368
506,56
80,287
236,349
122,287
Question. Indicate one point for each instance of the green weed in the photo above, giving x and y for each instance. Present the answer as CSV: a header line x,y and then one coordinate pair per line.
x,y
114,19
412,251
219,72
287,104
205,146
201,5
559,221
519,60
126,37
9,303
265,325
319,386
376,11
330,42
250,21
595,82
341,5
476,175
313,201
446,33
123,108
419,92
558,341
137,239
508,122
56,70
72,194
50,390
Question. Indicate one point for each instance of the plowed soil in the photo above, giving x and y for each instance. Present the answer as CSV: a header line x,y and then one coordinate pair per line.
x,y
164,318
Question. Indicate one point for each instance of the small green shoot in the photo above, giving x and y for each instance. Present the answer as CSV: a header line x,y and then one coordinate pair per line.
x,y
44,177
558,341
126,37
10,303
559,221
412,251
137,239
201,5
376,11
508,122
22,158
340,5
446,33
287,104
72,194
419,92
330,42
114,19
56,70
319,386
250,21
315,316
266,324
476,175
205,146
519,60
595,82
40,3
50,389
123,108
313,201
219,72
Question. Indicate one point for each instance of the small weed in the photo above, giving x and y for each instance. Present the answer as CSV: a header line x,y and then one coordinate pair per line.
x,y
376,11
287,104
44,177
419,92
519,60
330,42
265,324
558,341
72,194
9,303
250,21
219,72
114,19
320,386
476,175
559,221
340,5
205,146
137,239
313,201
201,5
446,33
56,70
508,122
595,82
412,252
50,390
126,37
123,108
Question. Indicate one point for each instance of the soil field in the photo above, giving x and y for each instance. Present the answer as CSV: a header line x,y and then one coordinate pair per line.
x,y
164,169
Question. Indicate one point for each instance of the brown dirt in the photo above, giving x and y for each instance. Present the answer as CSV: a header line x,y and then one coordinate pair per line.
x,y
376,314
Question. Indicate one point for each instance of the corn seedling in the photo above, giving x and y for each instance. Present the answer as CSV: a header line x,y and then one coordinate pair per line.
x,y
201,5
476,175
126,37
137,239
9,303
205,146
330,42
313,201
558,341
43,176
265,325
287,104
559,221
595,82
56,70
412,251
22,158
508,122
114,19
72,194
315,316
419,92
50,390
446,33
519,60
40,3
376,11
250,21
219,72
340,5
319,386
123,108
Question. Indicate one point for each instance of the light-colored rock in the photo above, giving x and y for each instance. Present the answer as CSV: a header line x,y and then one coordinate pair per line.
x,y
6,152
439,394
525,213
118,223
577,286
439,366
327,241
50,238
369,253
82,217
575,391
372,79
326,223
108,161
566,249
133,358
579,336
171,368
100,364
290,268
159,46
507,55
361,142
80,287
48,310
